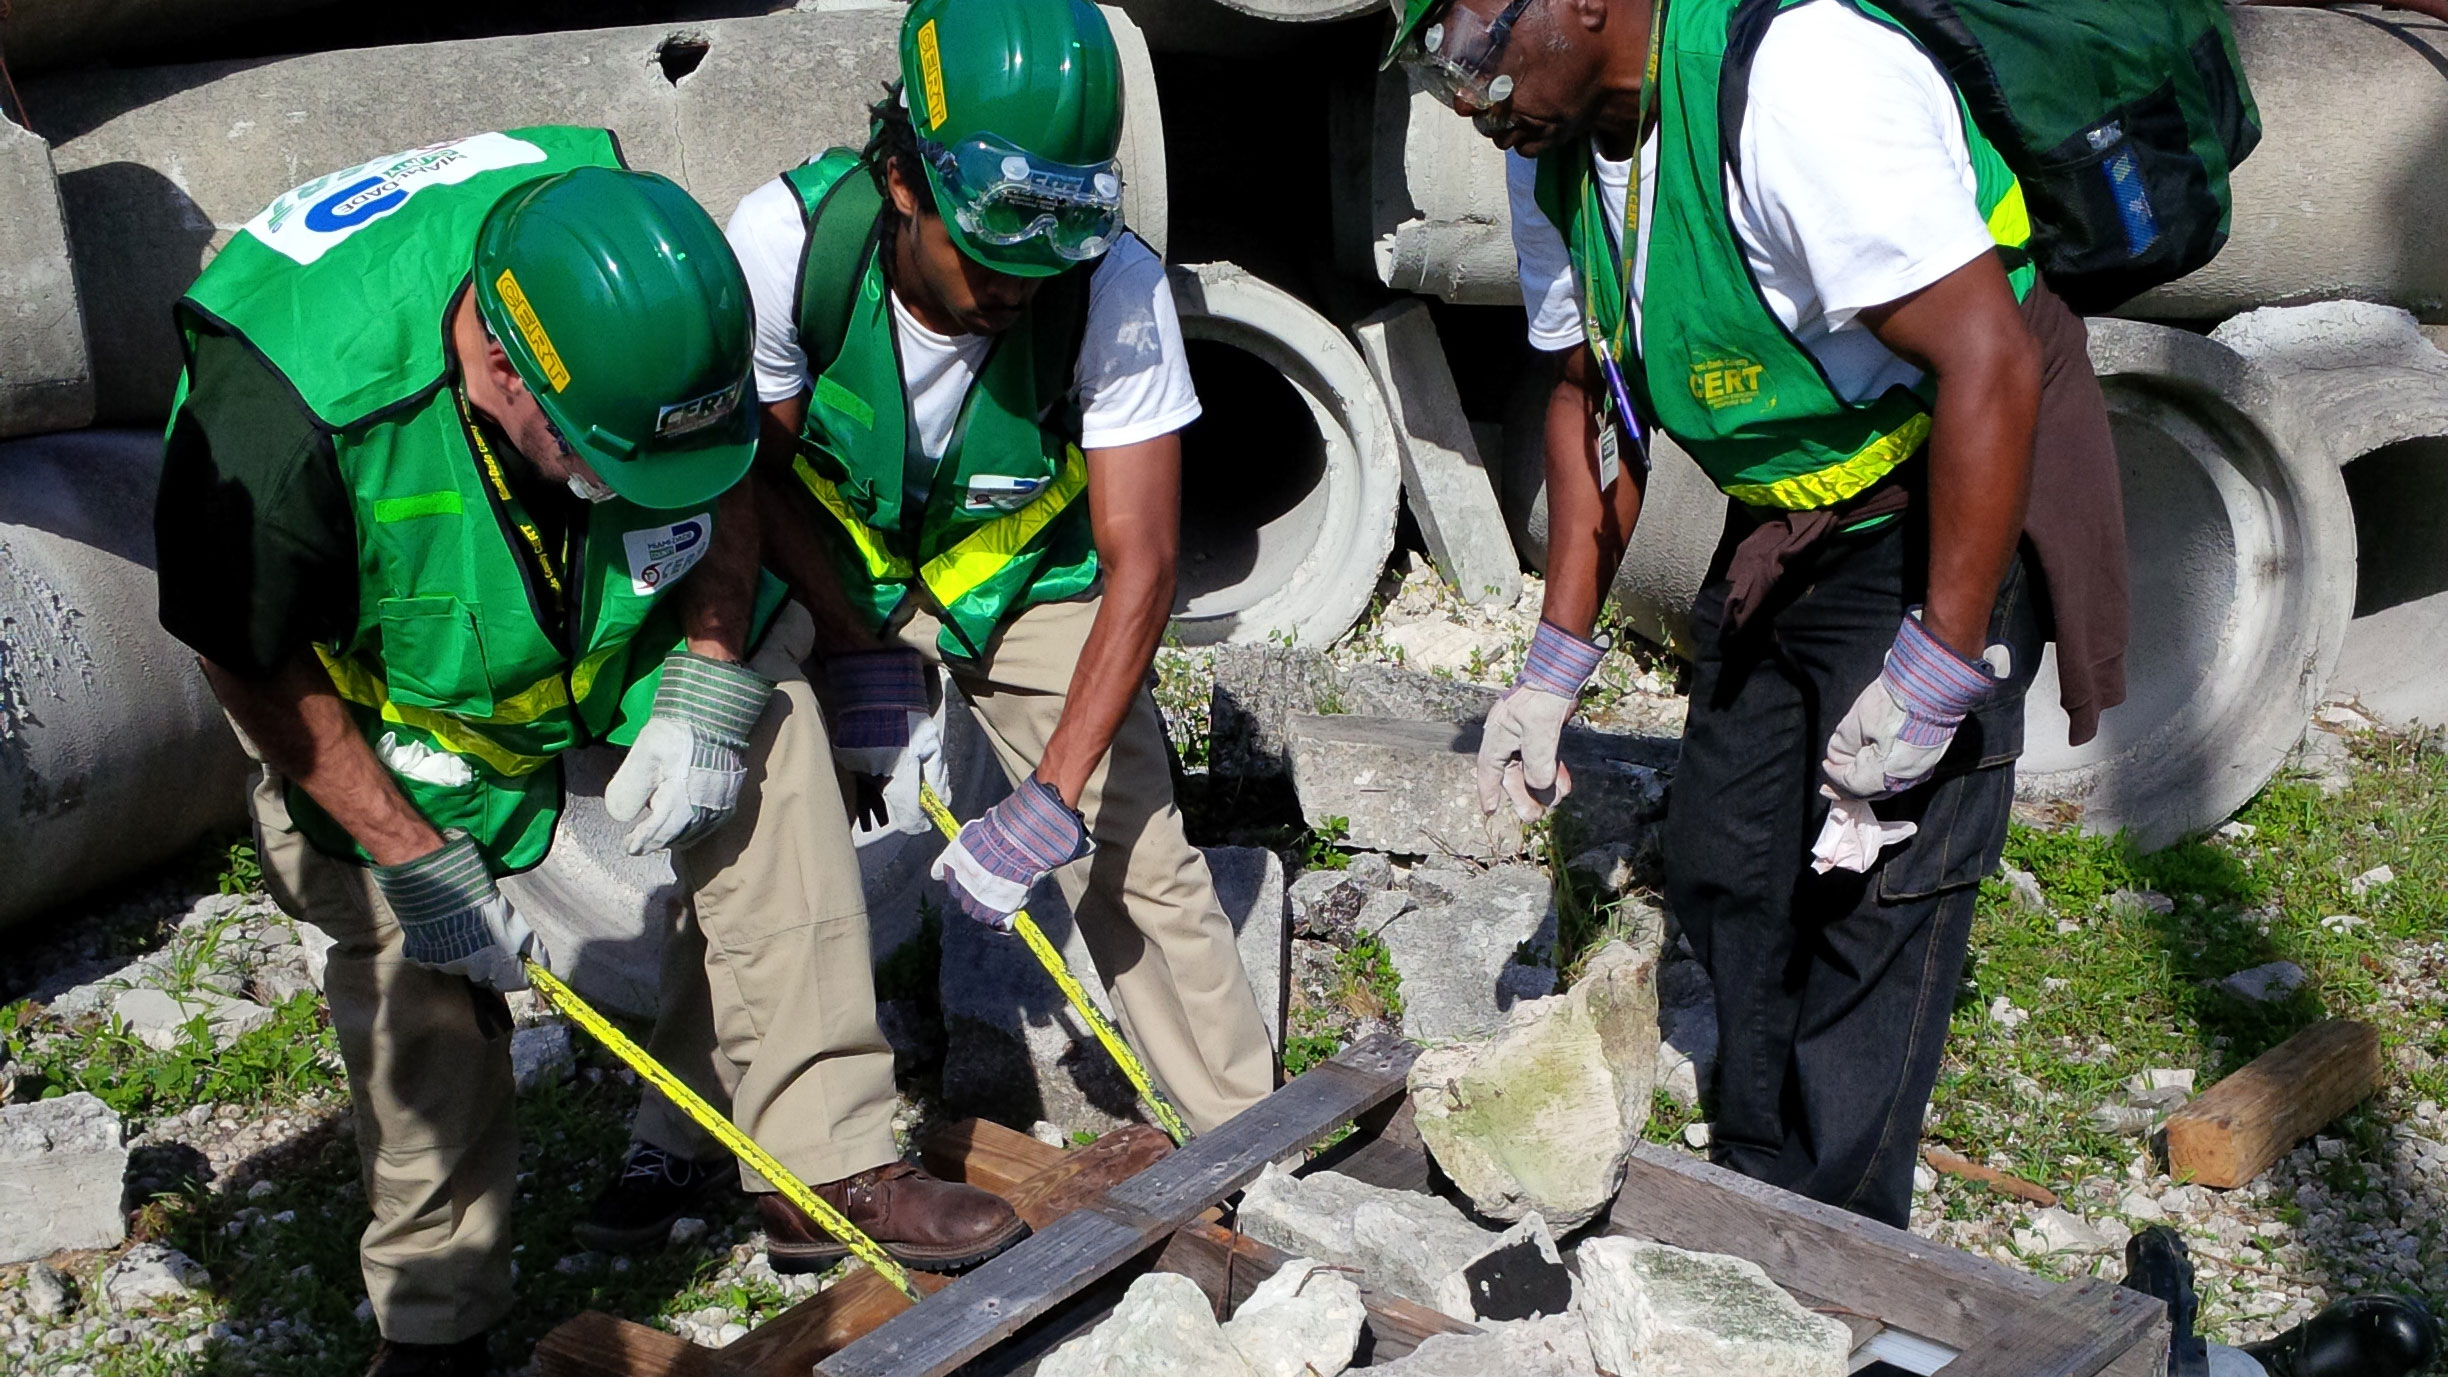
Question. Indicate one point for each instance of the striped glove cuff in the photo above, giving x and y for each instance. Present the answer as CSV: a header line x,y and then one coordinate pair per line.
x,y
1935,686
877,691
438,897
1559,661
717,700
1028,834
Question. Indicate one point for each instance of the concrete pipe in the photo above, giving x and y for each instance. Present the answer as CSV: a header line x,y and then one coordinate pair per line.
x,y
159,166
2361,385
42,34
114,755
1291,478
2242,544
2342,199
46,378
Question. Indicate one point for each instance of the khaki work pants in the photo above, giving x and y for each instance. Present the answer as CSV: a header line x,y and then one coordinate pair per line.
x,y
768,1006
1145,903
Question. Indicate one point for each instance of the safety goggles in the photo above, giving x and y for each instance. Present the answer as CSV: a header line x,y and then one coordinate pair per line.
x,y
1455,58
1002,195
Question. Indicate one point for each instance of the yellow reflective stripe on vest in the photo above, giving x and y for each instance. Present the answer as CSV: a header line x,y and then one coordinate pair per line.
x,y
1837,482
2010,218
982,553
881,563
363,687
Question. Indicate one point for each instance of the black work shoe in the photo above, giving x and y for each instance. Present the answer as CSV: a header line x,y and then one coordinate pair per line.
x,y
2157,1265
2360,1336
655,1188
465,1358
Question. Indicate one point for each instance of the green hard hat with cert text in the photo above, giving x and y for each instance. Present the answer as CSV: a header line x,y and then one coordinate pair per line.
x,y
1017,105
620,305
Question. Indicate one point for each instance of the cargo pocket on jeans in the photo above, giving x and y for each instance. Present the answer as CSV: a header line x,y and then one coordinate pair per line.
x,y
1962,836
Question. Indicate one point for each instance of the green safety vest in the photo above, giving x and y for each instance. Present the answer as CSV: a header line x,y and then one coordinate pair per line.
x,y
343,286
1713,364
1001,523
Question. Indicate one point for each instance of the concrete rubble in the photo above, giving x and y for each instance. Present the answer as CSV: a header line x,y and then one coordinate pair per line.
x,y
63,1168
1555,1346
2269,983
1419,1247
1304,1321
541,1055
1459,948
47,1292
150,1274
1654,1308
1542,1117
161,1020
1259,689
46,380
1687,1030
1444,477
1301,1322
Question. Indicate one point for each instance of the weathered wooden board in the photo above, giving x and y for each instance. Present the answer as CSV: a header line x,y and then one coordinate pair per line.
x,y
2242,1124
1075,1251
2076,1330
598,1345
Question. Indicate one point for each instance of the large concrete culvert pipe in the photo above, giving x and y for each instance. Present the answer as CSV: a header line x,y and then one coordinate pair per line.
x,y
114,755
1291,478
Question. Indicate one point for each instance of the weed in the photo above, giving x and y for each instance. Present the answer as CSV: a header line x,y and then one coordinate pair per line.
x,y
1367,985
1304,1050
241,871
290,1058
1322,846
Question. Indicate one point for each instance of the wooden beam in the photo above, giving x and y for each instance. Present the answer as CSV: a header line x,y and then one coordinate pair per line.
x,y
796,1340
1906,1281
1393,1155
2077,1330
595,1344
2242,1124
1075,1251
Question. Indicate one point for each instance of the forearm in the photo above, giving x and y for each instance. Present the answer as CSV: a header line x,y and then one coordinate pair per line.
x,y
794,549
1980,451
1113,666
718,598
303,730
1588,527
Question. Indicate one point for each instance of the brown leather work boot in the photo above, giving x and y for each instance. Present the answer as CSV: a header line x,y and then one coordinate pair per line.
x,y
935,1226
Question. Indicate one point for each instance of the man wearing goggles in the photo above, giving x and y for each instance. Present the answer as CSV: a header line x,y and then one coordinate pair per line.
x,y
1836,318
974,386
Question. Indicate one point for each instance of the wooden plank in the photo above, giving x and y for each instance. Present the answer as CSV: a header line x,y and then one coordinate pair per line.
x,y
1075,1251
594,1344
2077,1330
985,1154
825,1323
2242,1124
1857,1264
1390,1154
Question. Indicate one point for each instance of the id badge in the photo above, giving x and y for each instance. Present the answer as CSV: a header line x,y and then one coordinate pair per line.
x,y
1610,461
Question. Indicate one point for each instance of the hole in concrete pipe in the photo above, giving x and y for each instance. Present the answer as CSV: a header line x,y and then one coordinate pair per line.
x,y
1253,483
2390,661
681,54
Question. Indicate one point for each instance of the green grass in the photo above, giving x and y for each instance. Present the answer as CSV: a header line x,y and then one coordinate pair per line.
x,y
292,1058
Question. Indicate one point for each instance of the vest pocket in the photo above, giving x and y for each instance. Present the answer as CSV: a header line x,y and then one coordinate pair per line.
x,y
432,656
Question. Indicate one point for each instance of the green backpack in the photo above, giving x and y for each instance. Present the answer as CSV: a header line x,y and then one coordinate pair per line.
x,y
2122,119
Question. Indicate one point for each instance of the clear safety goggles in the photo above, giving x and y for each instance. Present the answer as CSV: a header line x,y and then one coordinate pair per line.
x,y
1001,194
1455,58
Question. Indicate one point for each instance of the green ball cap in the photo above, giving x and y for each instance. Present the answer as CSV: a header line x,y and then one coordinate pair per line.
x,y
1043,74
621,307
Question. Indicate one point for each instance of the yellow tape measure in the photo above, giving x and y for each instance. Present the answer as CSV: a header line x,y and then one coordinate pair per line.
x,y
866,1249
1167,1117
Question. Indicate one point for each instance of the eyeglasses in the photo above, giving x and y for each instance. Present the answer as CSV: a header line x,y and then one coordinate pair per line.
x,y
1455,58
1002,194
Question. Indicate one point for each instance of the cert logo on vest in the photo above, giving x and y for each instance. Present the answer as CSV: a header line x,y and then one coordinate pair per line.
x,y
1723,381
660,554
309,221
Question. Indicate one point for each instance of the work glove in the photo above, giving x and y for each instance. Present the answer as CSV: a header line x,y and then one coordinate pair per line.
x,y
1901,725
883,731
1517,748
685,768
453,920
997,859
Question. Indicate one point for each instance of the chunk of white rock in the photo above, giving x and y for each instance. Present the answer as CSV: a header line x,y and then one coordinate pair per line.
x,y
2267,983
1164,1327
1656,1309
1414,1246
1556,1346
1304,1321
63,1168
541,1055
1542,1117
149,1274
161,1020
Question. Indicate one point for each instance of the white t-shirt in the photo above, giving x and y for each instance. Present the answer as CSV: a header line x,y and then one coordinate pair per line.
x,y
1132,380
1857,189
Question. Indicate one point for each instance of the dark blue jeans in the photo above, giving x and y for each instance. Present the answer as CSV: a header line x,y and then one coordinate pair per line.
x,y
1833,991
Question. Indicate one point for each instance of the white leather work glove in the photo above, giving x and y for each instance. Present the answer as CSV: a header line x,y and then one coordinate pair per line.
x,y
879,699
452,919
1901,725
1517,747
685,768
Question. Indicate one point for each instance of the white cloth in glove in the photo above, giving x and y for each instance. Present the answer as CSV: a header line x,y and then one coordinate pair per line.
x,y
453,920
685,769
1853,835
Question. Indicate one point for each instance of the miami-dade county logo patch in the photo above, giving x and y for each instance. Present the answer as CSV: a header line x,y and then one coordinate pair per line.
x,y
310,221
681,418
660,554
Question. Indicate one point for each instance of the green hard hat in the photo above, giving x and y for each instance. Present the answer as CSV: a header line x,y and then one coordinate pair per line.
x,y
1032,87
622,309
1409,15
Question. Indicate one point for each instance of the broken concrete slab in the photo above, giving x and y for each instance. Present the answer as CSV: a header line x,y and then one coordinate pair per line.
x,y
46,378
2268,983
1164,1327
1304,1321
1416,1246
1444,478
1457,952
1555,1346
1542,1117
1654,1308
1411,787
63,1168
148,1274
1260,688
161,1019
